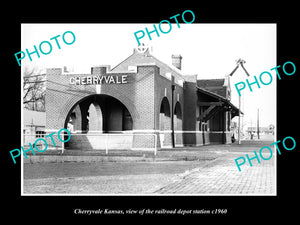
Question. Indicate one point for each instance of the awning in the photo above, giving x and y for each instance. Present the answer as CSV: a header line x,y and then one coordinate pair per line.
x,y
214,106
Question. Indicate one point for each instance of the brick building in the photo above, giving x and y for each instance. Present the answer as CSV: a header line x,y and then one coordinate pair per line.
x,y
135,101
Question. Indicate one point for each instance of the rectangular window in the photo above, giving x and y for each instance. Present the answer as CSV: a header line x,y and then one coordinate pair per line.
x,y
40,134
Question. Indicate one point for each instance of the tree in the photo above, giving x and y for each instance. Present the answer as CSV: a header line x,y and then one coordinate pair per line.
x,y
34,90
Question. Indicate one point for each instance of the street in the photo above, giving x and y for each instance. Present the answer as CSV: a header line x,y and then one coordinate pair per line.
x,y
218,176
102,177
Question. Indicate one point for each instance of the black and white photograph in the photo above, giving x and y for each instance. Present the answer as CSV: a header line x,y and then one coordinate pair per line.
x,y
177,113
145,110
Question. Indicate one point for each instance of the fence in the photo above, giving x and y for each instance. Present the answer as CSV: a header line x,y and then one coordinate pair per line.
x,y
125,141
96,141
113,141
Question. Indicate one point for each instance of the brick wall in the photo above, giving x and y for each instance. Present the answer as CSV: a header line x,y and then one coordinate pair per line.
x,y
163,89
189,111
142,96
137,95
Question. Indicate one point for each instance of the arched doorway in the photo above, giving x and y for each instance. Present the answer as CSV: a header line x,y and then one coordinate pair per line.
x,y
94,117
165,123
101,113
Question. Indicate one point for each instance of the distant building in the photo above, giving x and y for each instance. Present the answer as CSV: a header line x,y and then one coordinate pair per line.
x,y
34,124
262,130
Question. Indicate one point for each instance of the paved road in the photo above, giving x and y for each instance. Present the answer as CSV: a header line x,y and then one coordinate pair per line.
x,y
213,177
83,169
221,177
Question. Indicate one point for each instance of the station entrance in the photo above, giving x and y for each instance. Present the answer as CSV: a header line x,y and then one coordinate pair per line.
x,y
96,115
99,113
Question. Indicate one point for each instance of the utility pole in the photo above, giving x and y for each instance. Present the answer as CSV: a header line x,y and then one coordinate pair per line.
x,y
239,62
257,123
239,122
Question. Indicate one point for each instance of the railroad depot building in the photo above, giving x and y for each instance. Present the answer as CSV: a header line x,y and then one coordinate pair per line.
x,y
139,104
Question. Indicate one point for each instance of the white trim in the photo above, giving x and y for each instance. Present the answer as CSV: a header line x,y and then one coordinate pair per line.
x,y
132,69
119,72
199,132
51,130
165,131
142,131
151,131
180,82
168,75
98,88
95,131
143,149
166,146
179,145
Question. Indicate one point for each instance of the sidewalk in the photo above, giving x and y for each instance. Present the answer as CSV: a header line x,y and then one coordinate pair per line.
x,y
221,177
183,153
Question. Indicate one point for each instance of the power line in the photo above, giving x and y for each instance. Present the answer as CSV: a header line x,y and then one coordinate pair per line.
x,y
34,75
31,82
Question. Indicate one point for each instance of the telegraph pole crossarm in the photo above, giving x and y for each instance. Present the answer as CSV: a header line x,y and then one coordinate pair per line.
x,y
239,62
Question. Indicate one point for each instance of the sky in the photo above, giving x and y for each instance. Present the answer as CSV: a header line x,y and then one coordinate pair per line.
x,y
208,50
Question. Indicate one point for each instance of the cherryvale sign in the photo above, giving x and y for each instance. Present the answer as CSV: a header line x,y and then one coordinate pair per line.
x,y
90,80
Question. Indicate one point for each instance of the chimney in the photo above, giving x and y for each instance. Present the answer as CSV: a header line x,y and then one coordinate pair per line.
x,y
176,61
102,70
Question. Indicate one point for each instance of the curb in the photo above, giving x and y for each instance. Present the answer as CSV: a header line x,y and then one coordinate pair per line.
x,y
86,158
72,158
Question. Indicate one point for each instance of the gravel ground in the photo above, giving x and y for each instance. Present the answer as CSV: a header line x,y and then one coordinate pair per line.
x,y
103,178
118,184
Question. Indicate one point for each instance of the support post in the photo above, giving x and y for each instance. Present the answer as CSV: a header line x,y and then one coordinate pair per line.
x,y
239,122
172,114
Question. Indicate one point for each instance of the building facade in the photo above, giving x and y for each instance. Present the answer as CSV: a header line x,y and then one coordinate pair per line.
x,y
141,103
34,124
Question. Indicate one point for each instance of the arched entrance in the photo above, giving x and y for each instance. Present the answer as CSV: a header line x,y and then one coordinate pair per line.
x,y
95,116
100,113
165,123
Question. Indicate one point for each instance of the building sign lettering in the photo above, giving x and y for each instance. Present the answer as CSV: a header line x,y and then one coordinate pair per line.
x,y
90,80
